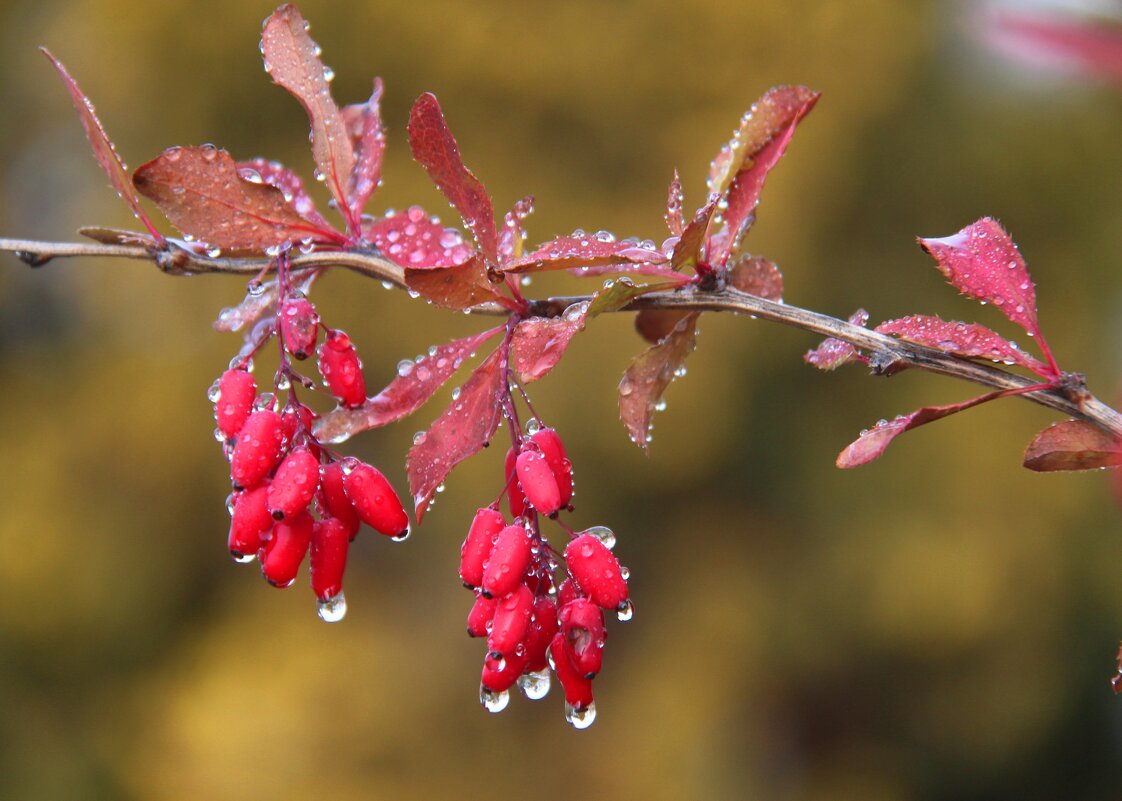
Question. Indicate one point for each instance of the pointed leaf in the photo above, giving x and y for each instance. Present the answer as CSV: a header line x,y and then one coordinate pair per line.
x,y
273,173
873,442
760,277
464,428
648,376
618,292
580,250
414,239
292,61
675,200
833,353
363,122
687,253
410,390
202,194
460,286
1072,445
103,149
513,234
436,150
540,342
970,340
982,261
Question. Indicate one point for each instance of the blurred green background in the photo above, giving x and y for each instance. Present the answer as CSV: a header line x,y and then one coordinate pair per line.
x,y
938,625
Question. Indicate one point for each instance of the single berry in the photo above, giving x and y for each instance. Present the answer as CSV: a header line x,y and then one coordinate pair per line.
x,y
509,559
285,551
549,443
578,689
597,571
294,484
537,482
299,326
500,674
568,591
258,448
477,545
330,541
335,499
250,522
511,623
582,624
481,614
543,627
341,369
514,496
232,406
297,417
375,500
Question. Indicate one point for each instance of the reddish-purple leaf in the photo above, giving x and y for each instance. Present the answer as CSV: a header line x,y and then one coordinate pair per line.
x,y
513,233
654,325
648,376
410,390
436,150
363,122
460,286
618,292
465,427
580,250
758,276
273,173
970,340
675,200
413,239
1053,42
833,353
982,261
873,442
540,342
200,191
687,252
103,149
292,61
1072,445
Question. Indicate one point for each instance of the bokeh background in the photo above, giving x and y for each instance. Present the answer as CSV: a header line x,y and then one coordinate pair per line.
x,y
941,624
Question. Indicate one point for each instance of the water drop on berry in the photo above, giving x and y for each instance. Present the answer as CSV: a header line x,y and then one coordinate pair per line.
x,y
333,609
604,534
625,612
581,717
403,535
493,701
533,426
535,685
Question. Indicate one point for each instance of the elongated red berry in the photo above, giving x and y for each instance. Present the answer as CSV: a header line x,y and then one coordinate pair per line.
x,y
341,369
481,614
509,559
477,545
542,628
375,500
549,443
285,551
568,591
511,624
500,674
335,499
294,484
234,401
537,482
298,417
330,541
299,326
250,522
514,494
582,624
578,689
597,571
258,448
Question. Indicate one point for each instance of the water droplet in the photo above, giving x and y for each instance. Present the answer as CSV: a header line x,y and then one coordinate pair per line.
x,y
533,426
525,280
580,717
404,367
456,394
625,573
333,609
403,535
242,559
493,701
328,74
535,686
604,534
626,611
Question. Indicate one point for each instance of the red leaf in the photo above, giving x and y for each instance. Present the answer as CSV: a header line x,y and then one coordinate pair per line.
x,y
363,122
833,353
200,191
273,173
675,200
410,390
687,252
1072,445
435,149
648,376
540,342
465,427
102,147
873,442
460,286
760,277
1050,41
970,340
413,239
580,250
654,325
982,261
513,234
292,61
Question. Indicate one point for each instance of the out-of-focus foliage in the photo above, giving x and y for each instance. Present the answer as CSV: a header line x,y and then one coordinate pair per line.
x,y
938,625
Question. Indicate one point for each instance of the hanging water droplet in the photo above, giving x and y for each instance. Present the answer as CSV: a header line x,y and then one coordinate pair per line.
x,y
242,558
493,701
535,686
525,280
255,288
533,426
403,535
604,534
626,611
333,609
214,393
581,717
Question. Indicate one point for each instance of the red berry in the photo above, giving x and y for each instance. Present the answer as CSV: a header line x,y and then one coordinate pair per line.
x,y
294,484
250,521
509,559
330,541
568,591
578,689
514,495
500,674
482,612
542,628
258,448
285,551
511,623
341,369
299,326
375,500
537,482
477,545
335,499
582,624
298,417
597,572
549,443
236,391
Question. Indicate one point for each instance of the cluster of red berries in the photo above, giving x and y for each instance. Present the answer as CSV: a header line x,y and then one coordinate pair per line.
x,y
292,496
532,624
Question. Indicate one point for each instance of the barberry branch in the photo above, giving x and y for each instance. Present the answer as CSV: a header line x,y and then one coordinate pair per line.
x,y
887,355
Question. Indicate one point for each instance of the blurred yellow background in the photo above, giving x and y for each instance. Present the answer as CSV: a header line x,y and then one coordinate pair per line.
x,y
938,625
